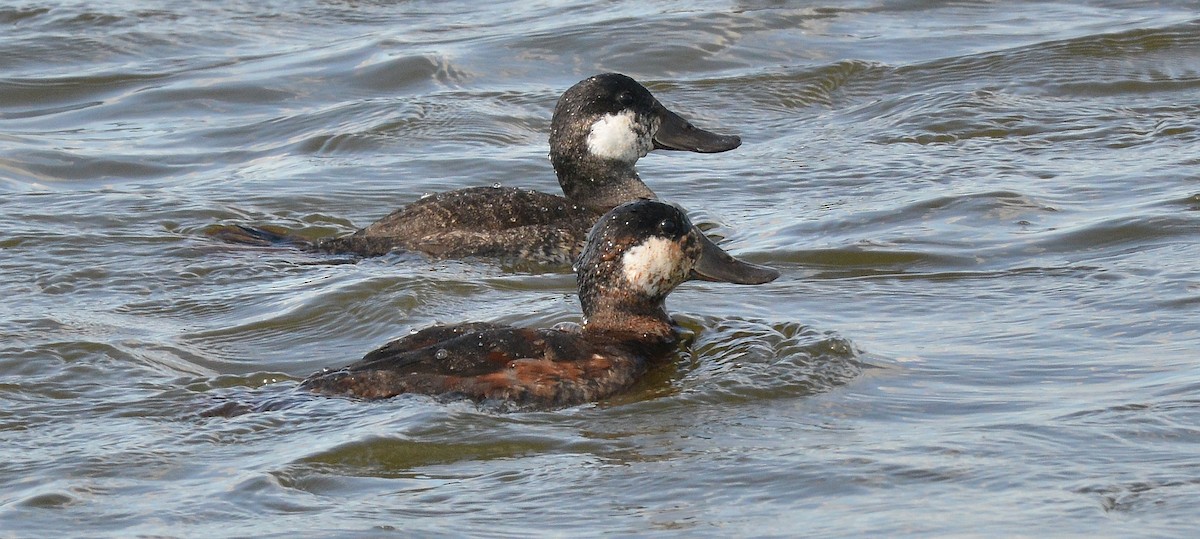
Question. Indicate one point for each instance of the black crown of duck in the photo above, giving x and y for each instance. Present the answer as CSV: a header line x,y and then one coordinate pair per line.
x,y
636,254
601,127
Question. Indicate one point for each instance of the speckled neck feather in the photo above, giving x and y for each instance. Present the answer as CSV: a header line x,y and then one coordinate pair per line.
x,y
591,181
612,303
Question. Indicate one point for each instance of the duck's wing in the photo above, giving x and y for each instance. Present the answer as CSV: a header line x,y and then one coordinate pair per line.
x,y
492,222
426,337
461,350
518,365
431,361
474,208
546,245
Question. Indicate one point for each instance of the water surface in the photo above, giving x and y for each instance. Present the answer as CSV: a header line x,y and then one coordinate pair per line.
x,y
986,216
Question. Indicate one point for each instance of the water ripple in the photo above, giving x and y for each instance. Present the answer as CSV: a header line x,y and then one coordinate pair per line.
x,y
985,215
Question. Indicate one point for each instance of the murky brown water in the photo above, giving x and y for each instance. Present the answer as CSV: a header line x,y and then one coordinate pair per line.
x,y
986,216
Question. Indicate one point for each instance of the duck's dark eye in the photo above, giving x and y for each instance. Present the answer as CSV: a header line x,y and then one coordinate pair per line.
x,y
668,226
625,99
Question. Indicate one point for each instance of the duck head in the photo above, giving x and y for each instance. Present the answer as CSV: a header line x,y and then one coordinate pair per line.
x,y
636,254
603,125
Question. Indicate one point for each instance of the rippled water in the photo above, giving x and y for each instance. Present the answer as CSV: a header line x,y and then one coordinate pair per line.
x,y
986,216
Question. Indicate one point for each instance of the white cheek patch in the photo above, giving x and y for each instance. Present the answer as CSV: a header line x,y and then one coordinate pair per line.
x,y
617,136
650,266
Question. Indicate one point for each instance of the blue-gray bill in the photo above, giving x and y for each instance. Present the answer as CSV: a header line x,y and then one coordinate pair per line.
x,y
676,133
717,265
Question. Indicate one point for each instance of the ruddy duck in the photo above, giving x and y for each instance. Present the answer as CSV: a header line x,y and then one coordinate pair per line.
x,y
601,127
635,255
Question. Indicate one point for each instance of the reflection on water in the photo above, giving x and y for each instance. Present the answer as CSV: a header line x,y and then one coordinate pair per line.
x,y
985,216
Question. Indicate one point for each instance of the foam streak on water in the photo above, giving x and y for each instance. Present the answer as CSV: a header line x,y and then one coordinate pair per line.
x,y
986,216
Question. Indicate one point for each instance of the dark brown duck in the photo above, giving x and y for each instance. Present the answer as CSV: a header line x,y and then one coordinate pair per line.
x,y
601,127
